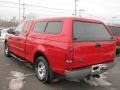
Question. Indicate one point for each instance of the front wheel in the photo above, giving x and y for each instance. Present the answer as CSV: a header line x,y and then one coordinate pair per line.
x,y
6,50
43,70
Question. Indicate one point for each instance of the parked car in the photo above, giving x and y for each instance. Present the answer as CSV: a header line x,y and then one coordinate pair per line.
x,y
3,33
115,29
75,48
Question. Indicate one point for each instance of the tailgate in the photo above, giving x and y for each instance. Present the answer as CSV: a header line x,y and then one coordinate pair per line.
x,y
90,53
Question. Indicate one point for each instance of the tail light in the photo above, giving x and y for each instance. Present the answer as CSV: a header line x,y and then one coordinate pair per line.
x,y
69,55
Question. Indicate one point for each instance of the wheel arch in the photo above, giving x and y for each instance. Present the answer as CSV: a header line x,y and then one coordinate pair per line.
x,y
39,53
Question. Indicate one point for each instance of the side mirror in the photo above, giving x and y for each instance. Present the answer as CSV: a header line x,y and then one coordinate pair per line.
x,y
11,31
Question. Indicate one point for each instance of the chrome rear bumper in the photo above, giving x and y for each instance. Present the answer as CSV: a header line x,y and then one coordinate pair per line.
x,y
91,70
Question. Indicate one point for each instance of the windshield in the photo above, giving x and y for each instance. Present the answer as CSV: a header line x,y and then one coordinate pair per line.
x,y
87,31
115,30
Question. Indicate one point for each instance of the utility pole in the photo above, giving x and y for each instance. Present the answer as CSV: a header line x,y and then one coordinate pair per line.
x,y
23,11
19,11
81,10
76,7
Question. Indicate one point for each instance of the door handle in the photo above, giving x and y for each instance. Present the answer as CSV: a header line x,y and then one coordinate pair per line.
x,y
98,45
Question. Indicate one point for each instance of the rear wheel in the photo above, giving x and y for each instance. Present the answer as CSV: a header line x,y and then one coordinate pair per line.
x,y
6,50
43,70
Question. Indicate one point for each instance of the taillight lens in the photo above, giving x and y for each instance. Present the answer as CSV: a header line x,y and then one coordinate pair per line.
x,y
69,55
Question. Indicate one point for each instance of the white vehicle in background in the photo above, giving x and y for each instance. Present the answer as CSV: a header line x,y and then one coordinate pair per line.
x,y
3,33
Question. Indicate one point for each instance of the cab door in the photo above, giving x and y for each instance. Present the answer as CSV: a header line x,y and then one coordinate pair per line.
x,y
13,39
16,40
21,40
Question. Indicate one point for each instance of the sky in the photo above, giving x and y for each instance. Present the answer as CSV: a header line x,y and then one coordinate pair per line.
x,y
105,10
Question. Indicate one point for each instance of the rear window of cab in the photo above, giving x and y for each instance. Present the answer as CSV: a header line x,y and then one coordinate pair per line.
x,y
50,27
87,31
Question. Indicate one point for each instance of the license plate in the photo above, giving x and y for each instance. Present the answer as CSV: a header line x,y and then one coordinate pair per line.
x,y
98,67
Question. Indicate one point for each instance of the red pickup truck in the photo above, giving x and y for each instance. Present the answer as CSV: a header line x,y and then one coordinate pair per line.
x,y
72,47
115,29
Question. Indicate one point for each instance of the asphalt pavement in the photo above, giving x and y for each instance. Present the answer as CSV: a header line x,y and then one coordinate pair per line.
x,y
16,75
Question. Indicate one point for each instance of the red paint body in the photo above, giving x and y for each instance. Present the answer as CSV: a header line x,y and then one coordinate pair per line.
x,y
59,47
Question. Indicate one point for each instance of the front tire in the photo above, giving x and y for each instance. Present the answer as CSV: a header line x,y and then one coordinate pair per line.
x,y
43,70
6,50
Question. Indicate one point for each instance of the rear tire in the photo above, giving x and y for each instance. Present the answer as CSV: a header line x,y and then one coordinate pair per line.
x,y
6,50
43,70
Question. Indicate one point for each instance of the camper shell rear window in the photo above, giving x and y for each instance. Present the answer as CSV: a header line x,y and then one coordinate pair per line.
x,y
89,31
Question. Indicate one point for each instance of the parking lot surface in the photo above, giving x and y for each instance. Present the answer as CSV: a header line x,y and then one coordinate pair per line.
x,y
16,75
